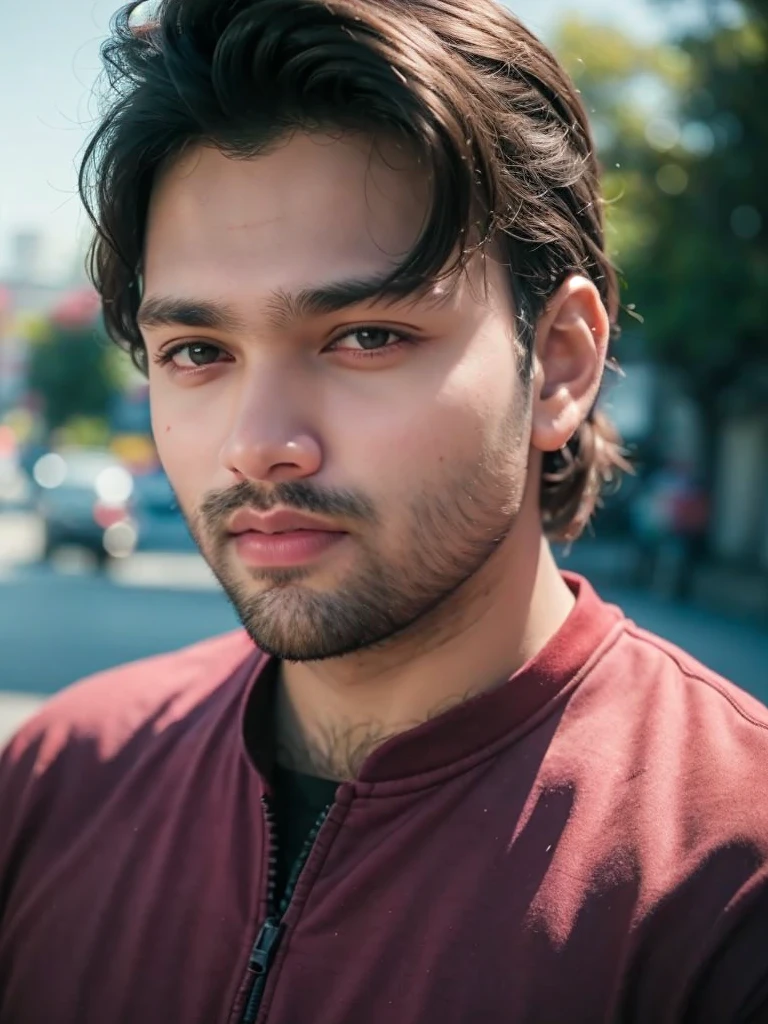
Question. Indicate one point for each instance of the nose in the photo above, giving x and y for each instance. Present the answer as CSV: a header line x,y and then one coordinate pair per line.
x,y
269,440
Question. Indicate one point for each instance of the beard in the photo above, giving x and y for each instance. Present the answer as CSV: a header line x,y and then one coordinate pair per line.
x,y
448,533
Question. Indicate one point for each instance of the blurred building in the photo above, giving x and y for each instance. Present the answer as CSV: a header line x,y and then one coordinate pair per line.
x,y
663,427
741,528
27,249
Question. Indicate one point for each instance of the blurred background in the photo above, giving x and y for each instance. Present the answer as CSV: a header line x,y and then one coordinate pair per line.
x,y
96,566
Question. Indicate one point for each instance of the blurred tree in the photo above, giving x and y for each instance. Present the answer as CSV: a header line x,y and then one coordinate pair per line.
x,y
683,135
72,367
709,259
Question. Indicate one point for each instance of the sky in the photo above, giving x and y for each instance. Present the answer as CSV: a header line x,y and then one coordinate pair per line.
x,y
49,59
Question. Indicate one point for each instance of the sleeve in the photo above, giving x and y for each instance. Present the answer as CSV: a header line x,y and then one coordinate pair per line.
x,y
12,789
22,782
733,984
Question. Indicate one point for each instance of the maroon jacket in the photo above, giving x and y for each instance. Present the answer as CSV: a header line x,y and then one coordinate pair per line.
x,y
586,843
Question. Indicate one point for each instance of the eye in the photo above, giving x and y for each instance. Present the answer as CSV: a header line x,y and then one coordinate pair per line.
x,y
367,339
192,355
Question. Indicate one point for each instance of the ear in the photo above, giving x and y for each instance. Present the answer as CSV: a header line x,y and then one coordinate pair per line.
x,y
569,359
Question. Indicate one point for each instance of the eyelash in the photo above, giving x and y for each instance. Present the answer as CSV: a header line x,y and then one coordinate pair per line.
x,y
166,356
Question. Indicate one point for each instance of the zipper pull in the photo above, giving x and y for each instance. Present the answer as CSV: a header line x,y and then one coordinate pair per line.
x,y
264,947
259,962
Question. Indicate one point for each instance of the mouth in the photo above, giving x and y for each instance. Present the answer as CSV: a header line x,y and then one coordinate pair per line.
x,y
281,538
285,548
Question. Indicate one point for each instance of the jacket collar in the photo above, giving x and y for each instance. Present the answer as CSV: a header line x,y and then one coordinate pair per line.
x,y
472,729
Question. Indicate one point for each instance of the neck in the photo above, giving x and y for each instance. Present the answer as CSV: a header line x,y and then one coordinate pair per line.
x,y
331,715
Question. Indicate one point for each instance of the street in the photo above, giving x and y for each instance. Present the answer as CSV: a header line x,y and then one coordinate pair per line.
x,y
60,623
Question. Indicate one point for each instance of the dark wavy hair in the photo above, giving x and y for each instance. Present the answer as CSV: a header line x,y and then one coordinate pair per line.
x,y
494,117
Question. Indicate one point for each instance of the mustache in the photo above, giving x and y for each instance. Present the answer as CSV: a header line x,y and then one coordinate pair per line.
x,y
293,494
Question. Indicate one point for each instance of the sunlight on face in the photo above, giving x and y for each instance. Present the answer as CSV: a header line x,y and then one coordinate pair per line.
x,y
397,429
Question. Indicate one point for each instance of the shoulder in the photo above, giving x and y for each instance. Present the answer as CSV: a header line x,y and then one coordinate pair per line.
x,y
100,746
674,752
666,762
699,747
86,738
697,700
111,706
646,680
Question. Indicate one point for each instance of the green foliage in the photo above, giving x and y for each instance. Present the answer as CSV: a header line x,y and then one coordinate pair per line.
x,y
73,370
84,432
687,208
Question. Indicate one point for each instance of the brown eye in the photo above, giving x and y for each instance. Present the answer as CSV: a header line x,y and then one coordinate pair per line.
x,y
372,337
366,339
202,354
194,354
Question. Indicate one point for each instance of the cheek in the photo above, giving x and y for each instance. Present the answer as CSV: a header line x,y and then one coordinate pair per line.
x,y
186,441
426,434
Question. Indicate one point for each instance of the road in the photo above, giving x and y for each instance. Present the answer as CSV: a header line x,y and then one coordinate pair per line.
x,y
59,624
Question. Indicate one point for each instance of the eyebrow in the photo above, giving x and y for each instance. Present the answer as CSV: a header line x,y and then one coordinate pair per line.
x,y
281,308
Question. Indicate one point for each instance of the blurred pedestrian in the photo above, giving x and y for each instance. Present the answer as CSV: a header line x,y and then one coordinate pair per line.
x,y
358,248
670,519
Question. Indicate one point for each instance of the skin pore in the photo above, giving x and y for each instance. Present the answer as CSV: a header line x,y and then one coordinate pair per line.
x,y
404,423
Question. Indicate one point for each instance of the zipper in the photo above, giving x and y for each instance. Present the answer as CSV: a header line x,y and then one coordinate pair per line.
x,y
270,933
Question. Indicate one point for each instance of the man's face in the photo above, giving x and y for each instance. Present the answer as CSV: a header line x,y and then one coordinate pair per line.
x,y
398,429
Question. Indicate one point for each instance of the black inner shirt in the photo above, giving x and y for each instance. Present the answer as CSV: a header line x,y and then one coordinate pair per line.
x,y
299,800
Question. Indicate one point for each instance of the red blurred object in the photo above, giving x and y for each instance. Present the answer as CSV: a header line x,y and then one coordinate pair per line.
x,y
8,443
107,515
79,308
690,512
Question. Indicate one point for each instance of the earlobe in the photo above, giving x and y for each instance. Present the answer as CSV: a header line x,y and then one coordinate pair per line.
x,y
556,418
571,346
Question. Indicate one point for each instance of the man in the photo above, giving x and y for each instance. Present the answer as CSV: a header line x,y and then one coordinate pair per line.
x,y
358,248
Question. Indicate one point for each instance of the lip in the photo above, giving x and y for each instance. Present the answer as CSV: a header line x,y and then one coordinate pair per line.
x,y
280,539
284,550
280,521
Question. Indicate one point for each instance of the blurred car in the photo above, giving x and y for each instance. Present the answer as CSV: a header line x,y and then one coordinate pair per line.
x,y
83,495
155,515
88,498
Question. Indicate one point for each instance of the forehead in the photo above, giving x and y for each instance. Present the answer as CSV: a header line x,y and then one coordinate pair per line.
x,y
312,207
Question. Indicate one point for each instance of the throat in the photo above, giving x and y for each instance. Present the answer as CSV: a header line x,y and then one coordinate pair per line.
x,y
335,752
337,748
